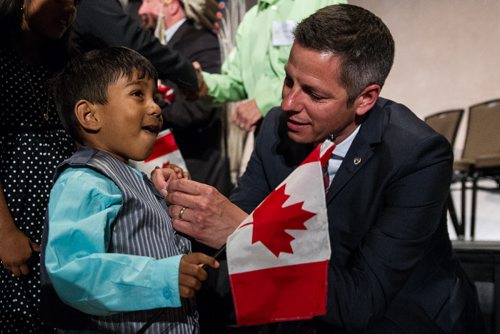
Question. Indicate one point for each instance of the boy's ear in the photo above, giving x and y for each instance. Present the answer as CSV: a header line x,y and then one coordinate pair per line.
x,y
87,115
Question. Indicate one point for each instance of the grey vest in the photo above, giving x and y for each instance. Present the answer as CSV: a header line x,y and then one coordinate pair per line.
x,y
142,227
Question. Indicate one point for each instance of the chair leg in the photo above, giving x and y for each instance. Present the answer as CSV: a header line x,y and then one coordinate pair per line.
x,y
473,207
459,228
462,202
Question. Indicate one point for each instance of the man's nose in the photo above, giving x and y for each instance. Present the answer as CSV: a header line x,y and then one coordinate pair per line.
x,y
291,99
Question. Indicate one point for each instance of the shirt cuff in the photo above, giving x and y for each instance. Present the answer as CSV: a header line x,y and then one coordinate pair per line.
x,y
166,275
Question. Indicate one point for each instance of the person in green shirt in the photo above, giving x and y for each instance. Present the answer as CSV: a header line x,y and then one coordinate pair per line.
x,y
254,70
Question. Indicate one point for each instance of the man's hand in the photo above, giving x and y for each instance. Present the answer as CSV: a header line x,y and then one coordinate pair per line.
x,y
247,115
204,12
202,212
191,273
202,85
16,250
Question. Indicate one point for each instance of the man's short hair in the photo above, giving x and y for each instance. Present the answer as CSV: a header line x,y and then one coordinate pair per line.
x,y
88,77
358,37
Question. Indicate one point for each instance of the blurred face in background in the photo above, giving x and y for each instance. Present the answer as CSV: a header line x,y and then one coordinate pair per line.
x,y
149,11
48,19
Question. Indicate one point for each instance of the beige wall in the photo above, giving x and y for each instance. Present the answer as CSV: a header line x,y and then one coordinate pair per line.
x,y
447,52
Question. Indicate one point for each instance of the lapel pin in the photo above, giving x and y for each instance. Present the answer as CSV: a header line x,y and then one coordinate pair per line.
x,y
357,161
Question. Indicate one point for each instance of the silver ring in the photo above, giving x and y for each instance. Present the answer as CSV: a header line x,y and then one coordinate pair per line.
x,y
181,212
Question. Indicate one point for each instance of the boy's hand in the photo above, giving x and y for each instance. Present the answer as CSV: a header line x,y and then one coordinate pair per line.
x,y
191,274
179,172
161,177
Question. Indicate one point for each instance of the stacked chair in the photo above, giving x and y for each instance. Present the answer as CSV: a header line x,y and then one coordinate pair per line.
x,y
481,154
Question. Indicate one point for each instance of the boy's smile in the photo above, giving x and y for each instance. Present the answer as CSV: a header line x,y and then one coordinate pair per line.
x,y
130,120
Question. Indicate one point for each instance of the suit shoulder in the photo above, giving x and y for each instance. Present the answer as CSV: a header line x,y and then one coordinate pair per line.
x,y
401,119
405,132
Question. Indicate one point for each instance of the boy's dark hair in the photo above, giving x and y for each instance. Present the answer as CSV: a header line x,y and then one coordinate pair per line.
x,y
88,76
359,38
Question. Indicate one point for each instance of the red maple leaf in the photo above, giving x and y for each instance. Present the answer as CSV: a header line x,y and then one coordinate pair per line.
x,y
271,219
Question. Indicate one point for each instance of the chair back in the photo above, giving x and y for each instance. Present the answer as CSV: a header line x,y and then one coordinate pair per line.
x,y
483,130
446,123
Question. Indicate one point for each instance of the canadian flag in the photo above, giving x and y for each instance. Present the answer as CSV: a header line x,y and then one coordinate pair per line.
x,y
278,256
165,152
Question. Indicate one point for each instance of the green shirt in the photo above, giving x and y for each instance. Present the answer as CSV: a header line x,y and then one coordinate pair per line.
x,y
255,67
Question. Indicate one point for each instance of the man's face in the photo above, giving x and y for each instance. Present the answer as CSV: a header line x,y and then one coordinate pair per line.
x,y
149,11
313,98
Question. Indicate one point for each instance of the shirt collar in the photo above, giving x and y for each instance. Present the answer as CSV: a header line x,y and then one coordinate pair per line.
x,y
263,4
173,29
342,148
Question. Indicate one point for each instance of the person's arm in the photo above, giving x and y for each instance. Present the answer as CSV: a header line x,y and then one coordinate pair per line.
x,y
82,206
15,247
104,23
228,85
204,50
209,217
409,221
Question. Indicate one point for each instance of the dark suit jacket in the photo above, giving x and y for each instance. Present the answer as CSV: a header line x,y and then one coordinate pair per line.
x,y
387,222
199,129
104,23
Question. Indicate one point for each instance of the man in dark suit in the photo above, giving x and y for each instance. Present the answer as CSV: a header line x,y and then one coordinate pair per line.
x,y
198,129
103,23
392,268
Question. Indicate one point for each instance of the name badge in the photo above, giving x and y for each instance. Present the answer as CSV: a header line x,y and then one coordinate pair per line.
x,y
283,32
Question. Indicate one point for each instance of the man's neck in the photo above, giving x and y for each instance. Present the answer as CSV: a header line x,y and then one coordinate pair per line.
x,y
172,20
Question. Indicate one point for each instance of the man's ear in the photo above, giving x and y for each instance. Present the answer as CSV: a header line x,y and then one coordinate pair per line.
x,y
365,101
172,7
87,115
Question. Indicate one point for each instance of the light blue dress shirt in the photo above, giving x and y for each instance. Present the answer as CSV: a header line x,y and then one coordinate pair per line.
x,y
82,207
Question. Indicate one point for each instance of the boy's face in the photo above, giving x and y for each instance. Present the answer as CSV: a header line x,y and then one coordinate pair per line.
x,y
131,120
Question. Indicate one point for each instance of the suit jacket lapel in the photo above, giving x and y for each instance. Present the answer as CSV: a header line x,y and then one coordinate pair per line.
x,y
361,149
177,36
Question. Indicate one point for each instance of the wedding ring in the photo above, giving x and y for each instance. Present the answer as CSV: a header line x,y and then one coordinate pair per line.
x,y
181,212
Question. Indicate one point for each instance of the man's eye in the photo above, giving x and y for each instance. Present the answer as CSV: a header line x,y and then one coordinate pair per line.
x,y
288,82
315,97
137,93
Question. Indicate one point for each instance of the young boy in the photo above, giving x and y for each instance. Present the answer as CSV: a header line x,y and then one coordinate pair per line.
x,y
110,253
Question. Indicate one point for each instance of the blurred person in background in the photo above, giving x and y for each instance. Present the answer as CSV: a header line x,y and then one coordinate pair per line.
x,y
33,46
198,129
103,23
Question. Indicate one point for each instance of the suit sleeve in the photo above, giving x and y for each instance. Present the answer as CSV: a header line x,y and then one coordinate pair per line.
x,y
203,48
402,233
228,86
102,23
